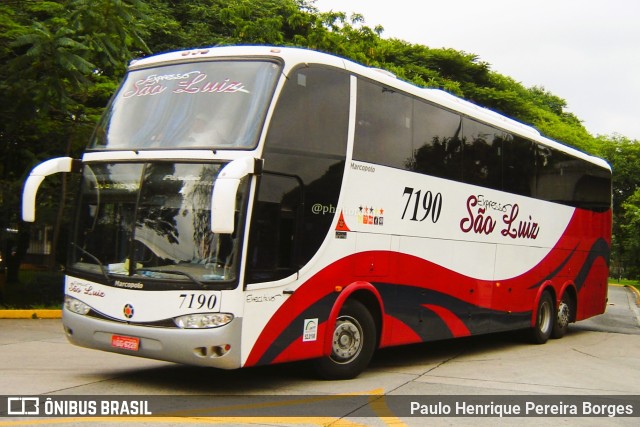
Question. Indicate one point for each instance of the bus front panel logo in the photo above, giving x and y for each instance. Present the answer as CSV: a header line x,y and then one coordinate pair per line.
x,y
128,311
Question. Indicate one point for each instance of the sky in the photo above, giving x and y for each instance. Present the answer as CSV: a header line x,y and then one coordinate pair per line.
x,y
586,52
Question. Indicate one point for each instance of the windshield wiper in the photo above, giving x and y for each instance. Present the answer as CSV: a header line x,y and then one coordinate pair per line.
x,y
176,272
94,258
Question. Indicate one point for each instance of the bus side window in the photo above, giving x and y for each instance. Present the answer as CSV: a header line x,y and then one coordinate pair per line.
x,y
519,166
383,126
482,154
556,174
437,144
311,117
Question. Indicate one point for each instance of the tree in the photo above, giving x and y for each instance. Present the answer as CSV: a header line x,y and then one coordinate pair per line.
x,y
623,155
56,53
629,232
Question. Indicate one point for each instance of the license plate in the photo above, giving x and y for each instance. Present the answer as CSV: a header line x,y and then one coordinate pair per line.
x,y
126,343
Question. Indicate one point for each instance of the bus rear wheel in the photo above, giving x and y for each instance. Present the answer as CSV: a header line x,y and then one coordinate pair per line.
x,y
545,319
352,345
564,316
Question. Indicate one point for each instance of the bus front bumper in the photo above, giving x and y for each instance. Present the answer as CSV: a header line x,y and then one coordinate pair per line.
x,y
215,347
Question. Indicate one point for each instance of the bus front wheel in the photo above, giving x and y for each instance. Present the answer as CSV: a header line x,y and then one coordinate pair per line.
x,y
352,344
545,319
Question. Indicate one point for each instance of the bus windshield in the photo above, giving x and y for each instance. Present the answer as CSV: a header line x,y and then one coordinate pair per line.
x,y
151,220
216,104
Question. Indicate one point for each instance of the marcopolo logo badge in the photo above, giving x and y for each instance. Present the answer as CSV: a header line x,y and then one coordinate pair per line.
x,y
128,311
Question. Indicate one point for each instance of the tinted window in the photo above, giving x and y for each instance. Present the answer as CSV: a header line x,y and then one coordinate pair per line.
x,y
312,114
383,126
272,253
572,181
593,189
397,130
482,154
552,175
437,143
519,166
304,160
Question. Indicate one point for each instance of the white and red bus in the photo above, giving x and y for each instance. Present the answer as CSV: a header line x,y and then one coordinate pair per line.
x,y
243,206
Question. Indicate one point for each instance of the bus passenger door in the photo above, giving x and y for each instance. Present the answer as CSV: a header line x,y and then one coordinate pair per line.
x,y
275,229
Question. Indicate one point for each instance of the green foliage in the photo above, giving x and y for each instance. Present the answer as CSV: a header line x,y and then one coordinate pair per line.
x,y
57,59
183,25
112,31
629,232
34,289
623,155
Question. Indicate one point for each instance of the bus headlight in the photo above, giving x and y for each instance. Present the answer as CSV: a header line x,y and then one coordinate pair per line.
x,y
203,320
75,305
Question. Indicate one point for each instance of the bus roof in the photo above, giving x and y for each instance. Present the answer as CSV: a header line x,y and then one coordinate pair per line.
x,y
292,57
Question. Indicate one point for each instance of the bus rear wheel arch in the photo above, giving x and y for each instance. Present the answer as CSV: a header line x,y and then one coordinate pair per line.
x,y
353,342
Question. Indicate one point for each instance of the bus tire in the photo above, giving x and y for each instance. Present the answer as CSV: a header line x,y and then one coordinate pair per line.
x,y
564,315
352,345
545,319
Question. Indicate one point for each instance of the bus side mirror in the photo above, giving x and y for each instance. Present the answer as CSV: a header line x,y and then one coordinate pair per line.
x,y
37,175
223,200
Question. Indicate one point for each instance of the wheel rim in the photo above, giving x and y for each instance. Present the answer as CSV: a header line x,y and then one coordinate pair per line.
x,y
544,317
563,314
347,340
